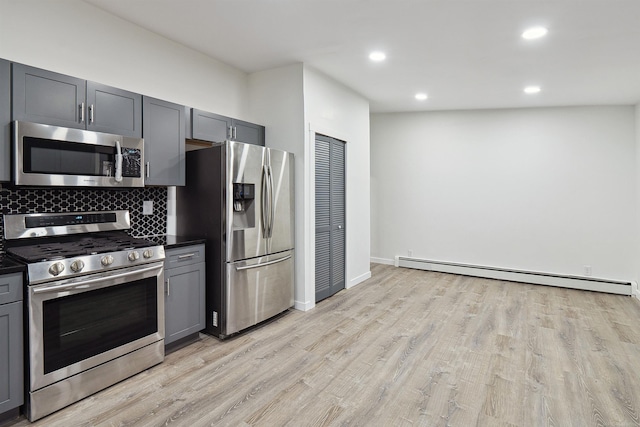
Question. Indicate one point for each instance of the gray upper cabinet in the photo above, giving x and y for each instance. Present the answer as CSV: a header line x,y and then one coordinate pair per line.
x,y
42,96
11,344
164,136
212,127
249,133
5,120
113,110
209,127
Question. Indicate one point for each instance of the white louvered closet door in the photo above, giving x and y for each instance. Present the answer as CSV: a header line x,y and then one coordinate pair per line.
x,y
330,216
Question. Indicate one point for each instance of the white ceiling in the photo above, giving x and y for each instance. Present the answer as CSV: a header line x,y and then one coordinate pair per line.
x,y
465,54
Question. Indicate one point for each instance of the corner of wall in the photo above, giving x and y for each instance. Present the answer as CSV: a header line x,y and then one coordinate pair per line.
x,y
304,305
357,280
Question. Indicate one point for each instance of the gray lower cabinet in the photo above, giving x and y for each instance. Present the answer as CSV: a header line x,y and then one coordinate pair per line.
x,y
184,278
11,344
163,130
212,127
42,96
5,120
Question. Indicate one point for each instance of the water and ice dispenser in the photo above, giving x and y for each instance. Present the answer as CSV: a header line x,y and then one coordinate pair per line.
x,y
243,205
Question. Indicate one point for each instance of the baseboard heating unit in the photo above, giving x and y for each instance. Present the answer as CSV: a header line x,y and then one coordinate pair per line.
x,y
536,278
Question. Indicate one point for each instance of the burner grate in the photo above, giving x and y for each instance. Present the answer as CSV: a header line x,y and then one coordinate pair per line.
x,y
82,245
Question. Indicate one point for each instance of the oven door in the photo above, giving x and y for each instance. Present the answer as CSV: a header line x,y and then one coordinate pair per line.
x,y
79,323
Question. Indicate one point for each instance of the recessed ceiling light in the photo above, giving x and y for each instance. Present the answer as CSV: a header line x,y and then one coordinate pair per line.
x,y
532,89
534,33
377,56
421,96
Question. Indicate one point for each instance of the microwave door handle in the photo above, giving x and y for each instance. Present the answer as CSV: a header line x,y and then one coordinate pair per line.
x,y
118,162
82,112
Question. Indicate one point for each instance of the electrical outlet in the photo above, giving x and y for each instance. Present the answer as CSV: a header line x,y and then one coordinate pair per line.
x,y
410,252
587,270
147,207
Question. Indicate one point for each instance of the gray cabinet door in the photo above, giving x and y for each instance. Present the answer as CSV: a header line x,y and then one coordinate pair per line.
x,y
113,110
330,216
184,301
163,132
49,98
210,127
5,120
11,363
246,132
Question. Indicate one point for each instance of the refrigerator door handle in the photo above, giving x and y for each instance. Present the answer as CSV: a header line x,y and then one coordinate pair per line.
x,y
275,261
264,202
271,202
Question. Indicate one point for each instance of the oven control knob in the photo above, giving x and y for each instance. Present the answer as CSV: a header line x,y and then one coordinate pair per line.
x,y
147,253
107,260
77,265
56,268
133,256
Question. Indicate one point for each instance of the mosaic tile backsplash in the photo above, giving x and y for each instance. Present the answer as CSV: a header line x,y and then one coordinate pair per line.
x,y
20,200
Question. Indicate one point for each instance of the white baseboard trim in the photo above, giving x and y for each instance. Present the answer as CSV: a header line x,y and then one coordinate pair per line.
x,y
386,261
537,278
357,280
303,306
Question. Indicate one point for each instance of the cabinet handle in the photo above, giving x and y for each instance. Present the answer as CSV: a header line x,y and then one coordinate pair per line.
x,y
168,287
91,113
82,112
186,256
235,133
231,133
147,169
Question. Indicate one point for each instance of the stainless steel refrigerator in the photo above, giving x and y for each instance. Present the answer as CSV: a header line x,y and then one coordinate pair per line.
x,y
240,198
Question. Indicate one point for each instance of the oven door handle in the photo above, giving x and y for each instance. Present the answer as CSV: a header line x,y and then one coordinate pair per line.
x,y
86,284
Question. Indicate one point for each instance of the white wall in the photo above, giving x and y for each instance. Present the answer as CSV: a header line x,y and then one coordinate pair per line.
x,y
337,111
277,102
549,189
294,102
78,39
637,234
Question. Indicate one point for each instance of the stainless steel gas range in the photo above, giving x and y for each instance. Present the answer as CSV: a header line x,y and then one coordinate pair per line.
x,y
95,303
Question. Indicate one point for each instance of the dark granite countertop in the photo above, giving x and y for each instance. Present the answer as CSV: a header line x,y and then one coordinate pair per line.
x,y
172,241
8,266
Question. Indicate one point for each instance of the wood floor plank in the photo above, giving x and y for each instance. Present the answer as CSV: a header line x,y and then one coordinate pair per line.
x,y
404,348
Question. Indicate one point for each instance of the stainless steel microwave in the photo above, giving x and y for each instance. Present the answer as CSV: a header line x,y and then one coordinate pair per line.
x,y
50,155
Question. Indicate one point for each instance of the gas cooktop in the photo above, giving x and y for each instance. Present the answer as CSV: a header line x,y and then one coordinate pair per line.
x,y
89,244
68,245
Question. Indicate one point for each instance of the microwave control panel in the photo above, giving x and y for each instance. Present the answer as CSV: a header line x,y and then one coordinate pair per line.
x,y
131,162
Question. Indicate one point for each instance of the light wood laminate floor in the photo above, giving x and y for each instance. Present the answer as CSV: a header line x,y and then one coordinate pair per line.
x,y
404,348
